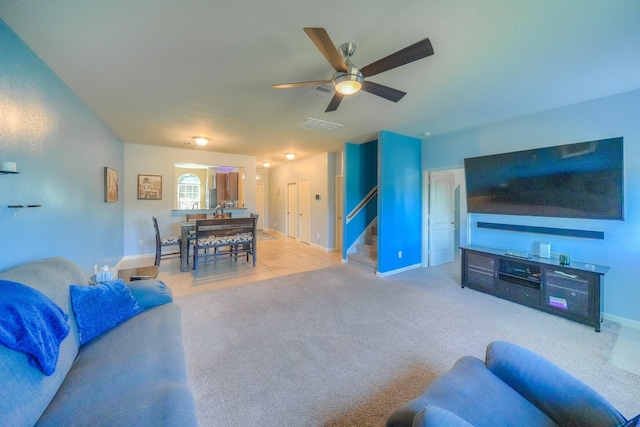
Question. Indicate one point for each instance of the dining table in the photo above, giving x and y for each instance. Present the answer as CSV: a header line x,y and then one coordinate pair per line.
x,y
188,228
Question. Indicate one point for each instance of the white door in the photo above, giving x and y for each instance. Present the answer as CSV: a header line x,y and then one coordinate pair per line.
x,y
442,218
305,211
260,206
292,210
339,213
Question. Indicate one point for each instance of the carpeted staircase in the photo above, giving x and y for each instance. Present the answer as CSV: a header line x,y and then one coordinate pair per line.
x,y
367,252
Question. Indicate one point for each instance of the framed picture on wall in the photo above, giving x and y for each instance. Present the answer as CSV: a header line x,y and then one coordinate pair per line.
x,y
149,187
110,185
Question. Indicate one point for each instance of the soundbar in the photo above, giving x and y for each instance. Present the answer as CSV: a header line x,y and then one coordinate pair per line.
x,y
584,234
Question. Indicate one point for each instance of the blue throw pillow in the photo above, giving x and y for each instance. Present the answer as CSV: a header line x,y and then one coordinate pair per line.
x,y
101,307
33,324
150,293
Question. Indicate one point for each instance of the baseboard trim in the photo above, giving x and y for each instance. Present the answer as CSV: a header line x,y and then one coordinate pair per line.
x,y
271,230
324,248
622,320
399,270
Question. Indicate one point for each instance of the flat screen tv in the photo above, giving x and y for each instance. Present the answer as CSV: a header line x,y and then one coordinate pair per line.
x,y
582,180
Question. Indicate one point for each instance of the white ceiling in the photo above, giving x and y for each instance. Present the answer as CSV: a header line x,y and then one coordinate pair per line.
x,y
160,72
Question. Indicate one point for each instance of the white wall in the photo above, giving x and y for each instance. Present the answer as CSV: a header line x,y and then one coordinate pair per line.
x,y
146,159
320,170
602,118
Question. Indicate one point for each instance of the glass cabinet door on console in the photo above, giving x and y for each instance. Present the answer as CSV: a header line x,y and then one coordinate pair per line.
x,y
480,271
570,291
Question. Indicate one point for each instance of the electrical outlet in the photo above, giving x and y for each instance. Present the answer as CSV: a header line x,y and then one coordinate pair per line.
x,y
275,223
318,236
399,254
141,243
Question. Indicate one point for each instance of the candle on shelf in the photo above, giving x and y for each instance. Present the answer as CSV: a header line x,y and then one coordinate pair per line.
x,y
9,167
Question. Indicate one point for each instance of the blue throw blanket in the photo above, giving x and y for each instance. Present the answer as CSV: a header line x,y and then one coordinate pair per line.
x,y
33,324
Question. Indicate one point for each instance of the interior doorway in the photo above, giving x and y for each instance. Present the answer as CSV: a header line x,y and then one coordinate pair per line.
x,y
444,213
441,218
292,210
305,211
339,213
260,206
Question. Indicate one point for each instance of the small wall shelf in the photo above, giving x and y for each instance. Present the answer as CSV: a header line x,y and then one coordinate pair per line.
x,y
16,207
8,172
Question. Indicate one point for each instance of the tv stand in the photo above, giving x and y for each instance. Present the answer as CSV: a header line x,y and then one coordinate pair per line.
x,y
573,292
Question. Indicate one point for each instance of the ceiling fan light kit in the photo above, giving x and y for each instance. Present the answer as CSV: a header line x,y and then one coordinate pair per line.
x,y
347,79
348,83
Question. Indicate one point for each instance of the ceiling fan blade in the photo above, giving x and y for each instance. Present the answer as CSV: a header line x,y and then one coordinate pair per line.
x,y
335,102
324,44
309,83
385,92
416,51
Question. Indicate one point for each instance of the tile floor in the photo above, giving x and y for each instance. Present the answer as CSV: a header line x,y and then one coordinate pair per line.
x,y
277,256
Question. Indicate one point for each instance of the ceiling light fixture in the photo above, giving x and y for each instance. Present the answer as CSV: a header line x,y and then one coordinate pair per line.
x,y
348,83
290,156
266,164
201,140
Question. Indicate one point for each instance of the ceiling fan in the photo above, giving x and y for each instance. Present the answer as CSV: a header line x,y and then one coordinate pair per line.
x,y
347,79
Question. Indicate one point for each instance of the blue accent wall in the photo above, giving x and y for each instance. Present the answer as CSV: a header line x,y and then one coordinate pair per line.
x,y
602,118
61,149
399,201
360,177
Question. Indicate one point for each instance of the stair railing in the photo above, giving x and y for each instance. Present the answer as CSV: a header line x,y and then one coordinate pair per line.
x,y
370,195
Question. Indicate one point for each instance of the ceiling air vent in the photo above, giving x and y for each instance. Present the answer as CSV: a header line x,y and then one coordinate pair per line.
x,y
322,90
318,125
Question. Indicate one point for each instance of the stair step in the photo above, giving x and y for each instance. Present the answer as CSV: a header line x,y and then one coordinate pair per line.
x,y
371,239
369,250
362,260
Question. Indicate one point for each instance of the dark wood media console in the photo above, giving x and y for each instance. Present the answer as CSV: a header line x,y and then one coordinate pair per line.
x,y
573,292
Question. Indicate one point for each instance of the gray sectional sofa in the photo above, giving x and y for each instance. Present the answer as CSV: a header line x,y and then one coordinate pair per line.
x,y
132,374
512,387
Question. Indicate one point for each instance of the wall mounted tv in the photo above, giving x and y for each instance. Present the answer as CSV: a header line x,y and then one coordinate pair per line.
x,y
582,180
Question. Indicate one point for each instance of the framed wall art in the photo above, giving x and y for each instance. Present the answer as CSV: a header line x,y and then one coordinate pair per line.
x,y
149,187
110,185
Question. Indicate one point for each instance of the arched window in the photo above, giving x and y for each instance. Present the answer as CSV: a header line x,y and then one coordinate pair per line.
x,y
188,191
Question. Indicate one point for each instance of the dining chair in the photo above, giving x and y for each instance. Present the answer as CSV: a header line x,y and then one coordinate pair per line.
x,y
192,233
225,237
164,242
244,247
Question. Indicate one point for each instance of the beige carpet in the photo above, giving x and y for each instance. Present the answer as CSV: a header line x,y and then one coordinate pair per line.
x,y
341,347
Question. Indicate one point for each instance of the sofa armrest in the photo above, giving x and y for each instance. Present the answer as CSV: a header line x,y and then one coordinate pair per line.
x,y
564,398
